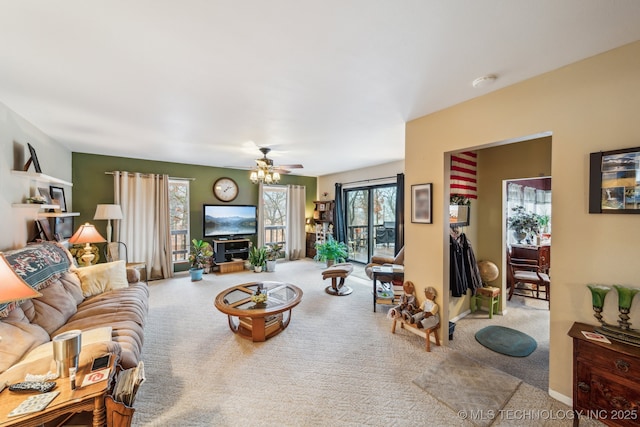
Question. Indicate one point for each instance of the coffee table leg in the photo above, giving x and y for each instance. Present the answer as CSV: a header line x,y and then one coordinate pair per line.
x,y
232,326
285,322
374,292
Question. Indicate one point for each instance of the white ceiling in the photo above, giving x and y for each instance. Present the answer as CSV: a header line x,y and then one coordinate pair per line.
x,y
327,83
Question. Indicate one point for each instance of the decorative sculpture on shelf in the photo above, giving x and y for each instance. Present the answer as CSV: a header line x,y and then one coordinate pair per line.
x,y
623,331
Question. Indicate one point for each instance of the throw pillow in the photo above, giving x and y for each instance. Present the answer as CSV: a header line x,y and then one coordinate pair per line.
x,y
100,278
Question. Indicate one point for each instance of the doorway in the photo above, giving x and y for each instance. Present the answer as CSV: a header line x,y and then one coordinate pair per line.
x,y
505,160
370,216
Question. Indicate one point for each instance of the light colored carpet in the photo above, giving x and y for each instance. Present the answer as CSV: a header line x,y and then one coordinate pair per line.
x,y
527,315
468,386
337,364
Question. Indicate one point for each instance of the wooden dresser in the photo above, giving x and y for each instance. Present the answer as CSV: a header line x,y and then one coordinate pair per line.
x,y
606,379
542,254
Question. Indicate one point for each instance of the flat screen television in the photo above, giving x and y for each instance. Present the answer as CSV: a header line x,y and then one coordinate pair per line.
x,y
229,220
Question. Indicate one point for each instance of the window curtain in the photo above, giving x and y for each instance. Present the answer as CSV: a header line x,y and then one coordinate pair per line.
x,y
144,228
296,243
260,237
339,226
399,243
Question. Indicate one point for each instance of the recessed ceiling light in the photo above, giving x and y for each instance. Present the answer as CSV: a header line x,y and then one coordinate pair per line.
x,y
484,81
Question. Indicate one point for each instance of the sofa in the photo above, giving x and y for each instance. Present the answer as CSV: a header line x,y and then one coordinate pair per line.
x,y
107,302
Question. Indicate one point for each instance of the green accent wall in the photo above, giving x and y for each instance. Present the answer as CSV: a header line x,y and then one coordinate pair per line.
x,y
91,186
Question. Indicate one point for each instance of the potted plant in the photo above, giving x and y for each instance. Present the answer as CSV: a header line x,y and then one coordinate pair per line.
x,y
200,251
274,251
522,223
257,257
331,251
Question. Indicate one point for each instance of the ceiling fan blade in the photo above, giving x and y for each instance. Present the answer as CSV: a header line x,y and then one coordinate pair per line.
x,y
297,166
281,171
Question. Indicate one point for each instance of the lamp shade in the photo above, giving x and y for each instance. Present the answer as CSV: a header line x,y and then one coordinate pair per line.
x,y
12,287
108,212
86,233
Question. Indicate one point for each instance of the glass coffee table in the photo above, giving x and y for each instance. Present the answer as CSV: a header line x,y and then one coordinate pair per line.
x,y
255,321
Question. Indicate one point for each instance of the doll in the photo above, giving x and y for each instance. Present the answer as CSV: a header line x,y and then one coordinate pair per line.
x,y
428,317
408,303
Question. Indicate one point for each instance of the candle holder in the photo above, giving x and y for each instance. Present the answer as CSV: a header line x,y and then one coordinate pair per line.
x,y
625,298
623,331
598,292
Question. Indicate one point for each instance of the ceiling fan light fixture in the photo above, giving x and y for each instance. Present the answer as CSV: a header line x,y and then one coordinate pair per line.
x,y
276,176
254,177
484,81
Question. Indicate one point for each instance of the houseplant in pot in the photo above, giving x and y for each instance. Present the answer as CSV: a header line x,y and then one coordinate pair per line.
x,y
331,251
274,251
200,251
257,257
523,223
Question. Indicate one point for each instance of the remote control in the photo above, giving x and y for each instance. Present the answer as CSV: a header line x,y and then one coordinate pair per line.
x,y
27,386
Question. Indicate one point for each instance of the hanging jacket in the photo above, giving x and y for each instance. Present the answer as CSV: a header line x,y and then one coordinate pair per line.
x,y
457,277
473,278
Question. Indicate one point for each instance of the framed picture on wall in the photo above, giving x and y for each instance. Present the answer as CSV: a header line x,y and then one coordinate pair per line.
x,y
421,203
57,195
614,181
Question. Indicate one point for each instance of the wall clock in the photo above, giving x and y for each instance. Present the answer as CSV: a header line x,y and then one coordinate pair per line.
x,y
225,189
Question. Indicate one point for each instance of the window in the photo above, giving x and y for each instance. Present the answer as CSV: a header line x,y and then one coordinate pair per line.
x,y
275,214
179,219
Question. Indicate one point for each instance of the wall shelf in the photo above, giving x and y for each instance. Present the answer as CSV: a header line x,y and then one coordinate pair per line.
x,y
37,206
57,214
40,177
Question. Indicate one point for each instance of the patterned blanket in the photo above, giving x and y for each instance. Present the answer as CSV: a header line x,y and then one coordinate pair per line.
x,y
38,265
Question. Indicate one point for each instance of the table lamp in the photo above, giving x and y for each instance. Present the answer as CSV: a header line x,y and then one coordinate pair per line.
x,y
12,287
108,212
87,234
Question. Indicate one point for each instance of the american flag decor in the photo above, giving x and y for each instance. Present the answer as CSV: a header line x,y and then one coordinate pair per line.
x,y
463,174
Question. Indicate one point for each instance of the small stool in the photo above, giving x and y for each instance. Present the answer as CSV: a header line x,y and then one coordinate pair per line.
x,y
493,297
338,271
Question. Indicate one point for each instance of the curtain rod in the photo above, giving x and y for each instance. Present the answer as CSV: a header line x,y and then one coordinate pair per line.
x,y
370,180
149,174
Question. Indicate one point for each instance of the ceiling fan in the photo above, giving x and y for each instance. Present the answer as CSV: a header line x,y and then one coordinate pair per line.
x,y
266,171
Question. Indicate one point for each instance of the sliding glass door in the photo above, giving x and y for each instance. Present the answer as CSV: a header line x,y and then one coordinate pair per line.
x,y
370,216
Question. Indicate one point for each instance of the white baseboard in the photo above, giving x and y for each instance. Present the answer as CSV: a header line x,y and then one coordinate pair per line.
x,y
460,316
561,397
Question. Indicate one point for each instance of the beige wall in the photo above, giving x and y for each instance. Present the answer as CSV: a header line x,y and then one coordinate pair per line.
x,y
589,106
327,183
55,160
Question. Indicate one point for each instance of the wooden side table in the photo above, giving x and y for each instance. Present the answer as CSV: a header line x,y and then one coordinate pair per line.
x,y
68,402
389,272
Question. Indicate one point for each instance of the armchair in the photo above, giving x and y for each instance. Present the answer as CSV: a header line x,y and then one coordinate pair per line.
x,y
380,260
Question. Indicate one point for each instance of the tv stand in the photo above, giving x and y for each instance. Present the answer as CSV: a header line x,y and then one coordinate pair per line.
x,y
229,254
